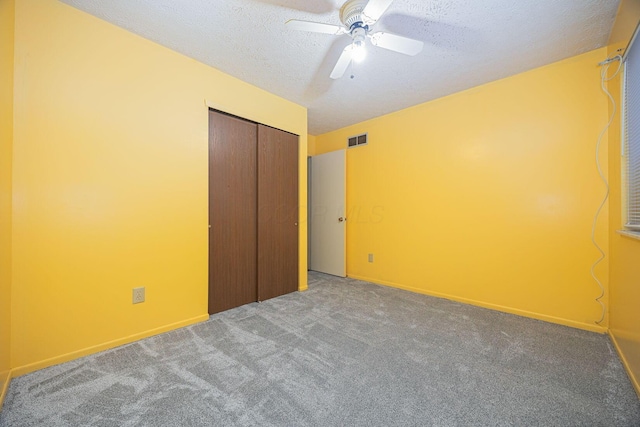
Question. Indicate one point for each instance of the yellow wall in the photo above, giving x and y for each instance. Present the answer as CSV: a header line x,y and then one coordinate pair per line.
x,y
625,251
6,140
311,145
110,182
486,196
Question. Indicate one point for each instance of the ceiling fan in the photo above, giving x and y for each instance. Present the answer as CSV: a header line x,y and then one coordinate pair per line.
x,y
357,17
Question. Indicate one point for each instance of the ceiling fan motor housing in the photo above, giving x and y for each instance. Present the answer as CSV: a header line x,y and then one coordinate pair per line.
x,y
351,14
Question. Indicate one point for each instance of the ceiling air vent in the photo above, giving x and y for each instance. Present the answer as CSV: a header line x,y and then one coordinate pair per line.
x,y
354,141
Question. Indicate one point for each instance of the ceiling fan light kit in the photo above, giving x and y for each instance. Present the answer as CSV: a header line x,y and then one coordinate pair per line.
x,y
358,45
357,17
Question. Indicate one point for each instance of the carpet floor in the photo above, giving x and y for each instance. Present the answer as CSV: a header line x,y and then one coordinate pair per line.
x,y
343,353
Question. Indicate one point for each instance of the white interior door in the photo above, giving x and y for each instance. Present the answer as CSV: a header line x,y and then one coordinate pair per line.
x,y
327,215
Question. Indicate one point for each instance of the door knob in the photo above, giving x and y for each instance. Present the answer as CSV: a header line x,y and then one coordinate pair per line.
x,y
341,219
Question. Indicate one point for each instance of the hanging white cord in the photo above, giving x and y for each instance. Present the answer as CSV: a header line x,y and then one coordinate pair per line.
x,y
603,80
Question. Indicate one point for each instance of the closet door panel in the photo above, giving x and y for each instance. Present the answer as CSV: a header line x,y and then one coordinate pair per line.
x,y
277,212
232,212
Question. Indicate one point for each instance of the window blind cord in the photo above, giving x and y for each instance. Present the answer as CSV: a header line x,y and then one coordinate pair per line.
x,y
603,80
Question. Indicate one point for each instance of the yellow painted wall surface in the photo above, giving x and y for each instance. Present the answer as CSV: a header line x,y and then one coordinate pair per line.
x,y
110,181
486,196
311,145
625,252
6,141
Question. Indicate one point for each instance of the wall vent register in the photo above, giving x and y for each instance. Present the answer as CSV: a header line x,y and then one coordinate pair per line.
x,y
354,141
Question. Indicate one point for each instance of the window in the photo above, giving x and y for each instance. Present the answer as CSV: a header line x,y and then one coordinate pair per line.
x,y
631,123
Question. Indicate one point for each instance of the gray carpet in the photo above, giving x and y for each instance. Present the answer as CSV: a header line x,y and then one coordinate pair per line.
x,y
344,353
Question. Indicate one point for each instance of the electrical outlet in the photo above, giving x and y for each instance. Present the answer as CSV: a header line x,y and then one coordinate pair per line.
x,y
370,257
138,295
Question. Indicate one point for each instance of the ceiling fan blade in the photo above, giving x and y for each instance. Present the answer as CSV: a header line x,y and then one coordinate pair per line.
x,y
375,8
397,43
316,27
343,63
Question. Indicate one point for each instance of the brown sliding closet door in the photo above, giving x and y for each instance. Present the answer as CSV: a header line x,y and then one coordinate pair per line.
x,y
232,212
277,212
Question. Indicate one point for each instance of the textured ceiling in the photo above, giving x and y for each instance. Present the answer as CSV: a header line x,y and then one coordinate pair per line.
x,y
467,43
